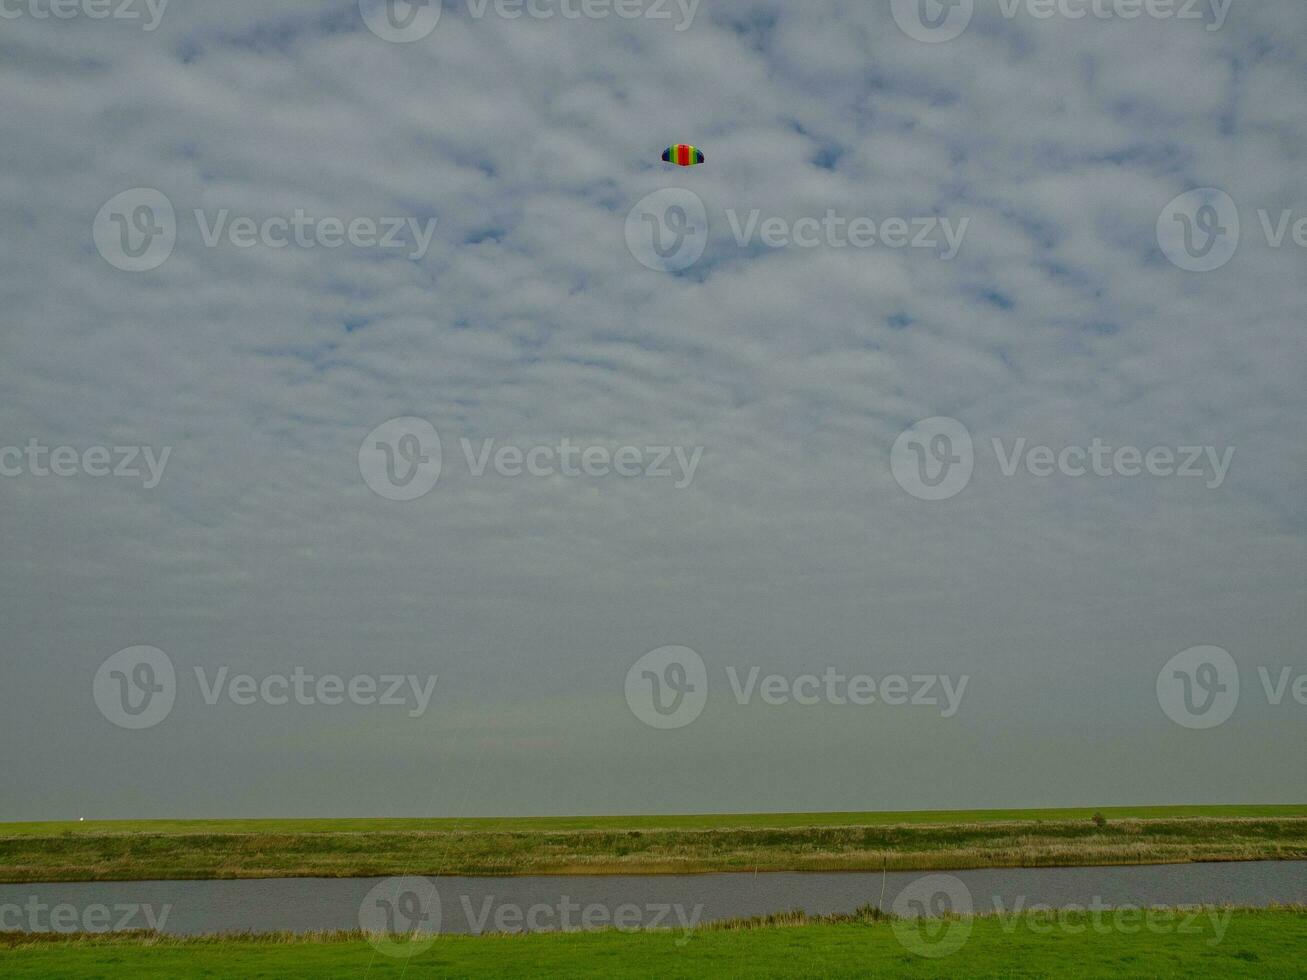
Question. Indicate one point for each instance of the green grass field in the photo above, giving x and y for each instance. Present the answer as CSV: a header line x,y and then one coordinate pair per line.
x,y
123,851
1256,944
722,821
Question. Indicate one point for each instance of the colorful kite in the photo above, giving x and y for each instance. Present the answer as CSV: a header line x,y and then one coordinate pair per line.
x,y
683,155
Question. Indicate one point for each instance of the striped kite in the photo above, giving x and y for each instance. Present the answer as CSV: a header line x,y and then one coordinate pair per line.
x,y
683,155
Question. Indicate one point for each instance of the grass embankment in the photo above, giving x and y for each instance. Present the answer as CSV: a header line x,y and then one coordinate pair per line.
x,y
1256,944
646,845
710,821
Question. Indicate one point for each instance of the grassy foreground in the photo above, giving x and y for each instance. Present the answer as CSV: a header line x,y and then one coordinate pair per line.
x,y
1256,944
148,850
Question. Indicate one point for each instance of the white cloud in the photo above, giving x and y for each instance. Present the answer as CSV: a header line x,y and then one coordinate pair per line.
x,y
528,320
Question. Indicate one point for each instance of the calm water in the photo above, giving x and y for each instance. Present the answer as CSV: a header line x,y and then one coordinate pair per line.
x,y
509,904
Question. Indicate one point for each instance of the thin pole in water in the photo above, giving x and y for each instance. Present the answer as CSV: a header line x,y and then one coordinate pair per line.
x,y
884,875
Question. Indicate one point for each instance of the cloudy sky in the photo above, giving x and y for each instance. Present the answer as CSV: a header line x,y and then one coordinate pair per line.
x,y
749,365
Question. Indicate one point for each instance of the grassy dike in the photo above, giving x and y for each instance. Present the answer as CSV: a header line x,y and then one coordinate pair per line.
x,y
147,850
1268,943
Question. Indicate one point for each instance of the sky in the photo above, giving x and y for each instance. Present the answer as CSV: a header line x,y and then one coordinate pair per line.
x,y
938,443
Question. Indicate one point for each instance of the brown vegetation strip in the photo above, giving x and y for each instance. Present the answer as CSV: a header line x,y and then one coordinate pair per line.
x,y
120,857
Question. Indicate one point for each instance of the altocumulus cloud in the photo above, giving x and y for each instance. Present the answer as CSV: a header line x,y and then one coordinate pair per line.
x,y
527,321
